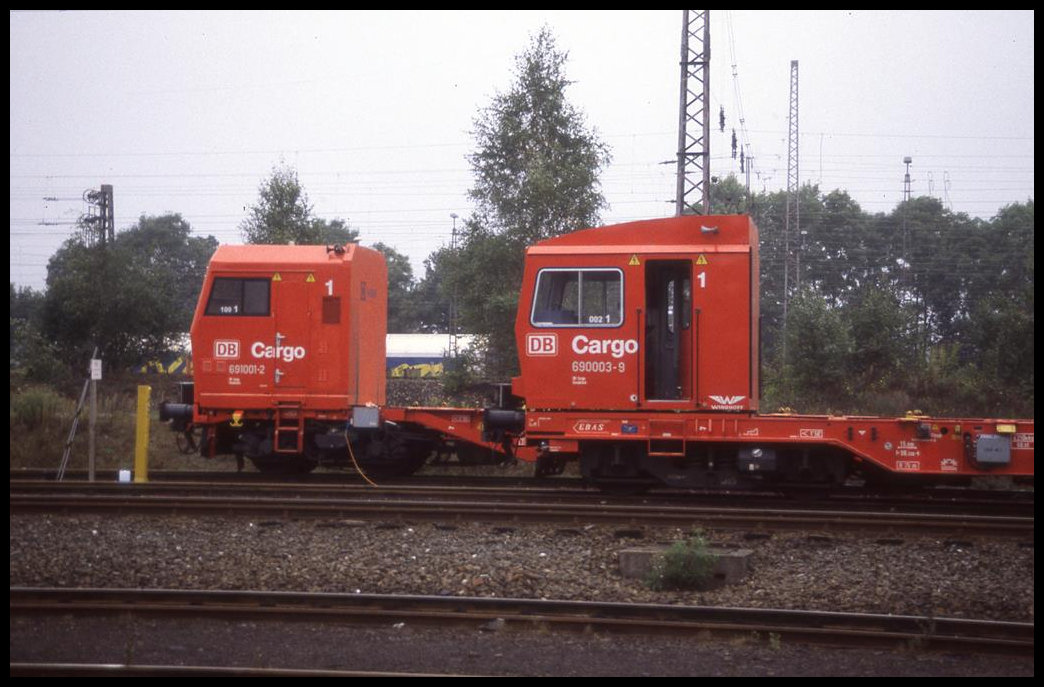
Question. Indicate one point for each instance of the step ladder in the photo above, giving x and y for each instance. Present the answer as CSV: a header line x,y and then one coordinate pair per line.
x,y
289,428
667,438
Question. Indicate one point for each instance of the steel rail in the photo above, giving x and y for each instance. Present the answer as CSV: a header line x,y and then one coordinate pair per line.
x,y
374,504
993,502
814,627
42,669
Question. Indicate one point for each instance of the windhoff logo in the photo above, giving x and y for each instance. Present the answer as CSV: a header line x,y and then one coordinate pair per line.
x,y
727,402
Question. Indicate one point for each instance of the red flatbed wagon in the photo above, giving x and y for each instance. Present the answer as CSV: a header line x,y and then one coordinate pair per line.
x,y
638,350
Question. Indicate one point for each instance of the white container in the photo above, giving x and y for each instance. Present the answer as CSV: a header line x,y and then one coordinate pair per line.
x,y
125,475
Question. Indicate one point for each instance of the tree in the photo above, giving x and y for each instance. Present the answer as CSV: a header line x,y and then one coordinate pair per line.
x,y
728,196
537,164
33,357
431,295
997,336
934,308
283,215
335,232
881,339
26,303
402,310
483,278
834,250
131,297
999,345
819,344
164,246
536,175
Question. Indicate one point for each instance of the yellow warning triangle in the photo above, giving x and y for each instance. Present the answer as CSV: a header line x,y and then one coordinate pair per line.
x,y
276,277
702,260
311,278
634,260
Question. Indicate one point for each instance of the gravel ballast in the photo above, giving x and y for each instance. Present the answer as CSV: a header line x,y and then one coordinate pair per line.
x,y
837,572
925,576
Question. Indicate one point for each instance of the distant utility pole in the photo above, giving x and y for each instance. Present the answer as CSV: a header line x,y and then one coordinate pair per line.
x,y
906,197
693,119
99,228
906,179
99,225
453,343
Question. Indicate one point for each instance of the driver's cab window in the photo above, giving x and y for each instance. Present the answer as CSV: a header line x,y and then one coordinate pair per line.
x,y
590,297
235,297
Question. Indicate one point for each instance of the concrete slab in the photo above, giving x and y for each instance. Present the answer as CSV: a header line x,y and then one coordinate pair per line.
x,y
730,568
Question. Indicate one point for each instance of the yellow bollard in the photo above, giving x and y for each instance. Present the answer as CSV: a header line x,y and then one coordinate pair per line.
x,y
141,436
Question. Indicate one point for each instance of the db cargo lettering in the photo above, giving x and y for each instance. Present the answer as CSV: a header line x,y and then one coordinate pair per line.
x,y
287,354
618,348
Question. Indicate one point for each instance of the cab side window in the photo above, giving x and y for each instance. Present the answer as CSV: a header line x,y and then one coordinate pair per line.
x,y
234,297
590,297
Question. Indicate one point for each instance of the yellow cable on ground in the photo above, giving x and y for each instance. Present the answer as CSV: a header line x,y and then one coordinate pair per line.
x,y
351,454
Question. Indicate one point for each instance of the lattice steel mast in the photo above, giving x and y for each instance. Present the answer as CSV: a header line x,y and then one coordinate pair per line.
x,y
693,193
792,226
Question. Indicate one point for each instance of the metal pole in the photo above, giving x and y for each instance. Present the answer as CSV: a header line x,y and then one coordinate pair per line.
x,y
453,352
96,374
90,431
141,436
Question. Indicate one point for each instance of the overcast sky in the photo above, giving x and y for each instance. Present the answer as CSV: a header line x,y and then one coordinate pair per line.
x,y
189,112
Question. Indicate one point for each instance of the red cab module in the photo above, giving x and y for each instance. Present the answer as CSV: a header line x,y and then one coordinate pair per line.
x,y
300,326
653,315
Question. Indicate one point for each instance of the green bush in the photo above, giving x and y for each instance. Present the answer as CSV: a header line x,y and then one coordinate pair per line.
x,y
686,564
38,407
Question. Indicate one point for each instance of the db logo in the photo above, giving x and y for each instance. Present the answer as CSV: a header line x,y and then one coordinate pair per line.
x,y
224,348
542,344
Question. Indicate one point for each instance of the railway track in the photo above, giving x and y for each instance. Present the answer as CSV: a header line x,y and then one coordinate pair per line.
x,y
25,669
951,500
441,503
809,627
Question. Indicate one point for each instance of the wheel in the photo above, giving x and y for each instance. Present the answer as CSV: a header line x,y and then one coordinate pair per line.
x,y
615,467
291,464
550,465
393,454
471,454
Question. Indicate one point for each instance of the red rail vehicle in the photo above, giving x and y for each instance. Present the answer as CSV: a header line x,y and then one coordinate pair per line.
x,y
638,349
